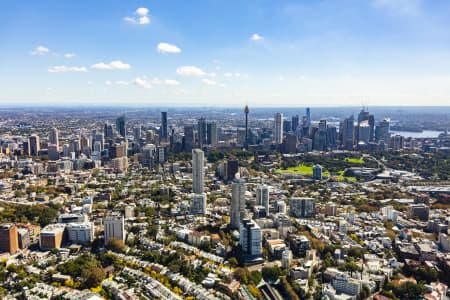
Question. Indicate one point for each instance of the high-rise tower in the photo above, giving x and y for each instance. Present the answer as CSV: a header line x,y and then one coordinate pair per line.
x,y
197,171
246,111
163,129
278,134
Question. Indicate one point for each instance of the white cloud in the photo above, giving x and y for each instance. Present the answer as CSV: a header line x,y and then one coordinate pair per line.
x,y
142,83
113,65
171,82
40,50
69,55
140,17
256,37
168,48
190,71
142,11
235,74
108,82
209,81
65,69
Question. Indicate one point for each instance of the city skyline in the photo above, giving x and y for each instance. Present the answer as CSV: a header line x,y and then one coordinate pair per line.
x,y
308,53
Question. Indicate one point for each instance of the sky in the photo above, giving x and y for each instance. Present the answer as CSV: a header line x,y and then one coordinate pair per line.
x,y
225,53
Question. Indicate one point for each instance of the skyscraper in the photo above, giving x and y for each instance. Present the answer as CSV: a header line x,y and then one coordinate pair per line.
x,y
295,122
121,126
163,129
188,138
246,111
201,129
278,128
237,213
348,134
308,117
211,133
197,171
108,131
53,138
382,131
34,145
250,238
262,197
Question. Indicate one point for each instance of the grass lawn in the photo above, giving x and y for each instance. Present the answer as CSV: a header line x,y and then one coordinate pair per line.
x,y
301,170
355,160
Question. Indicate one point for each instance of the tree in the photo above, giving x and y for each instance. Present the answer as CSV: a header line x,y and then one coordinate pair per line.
x,y
93,277
116,245
271,273
241,274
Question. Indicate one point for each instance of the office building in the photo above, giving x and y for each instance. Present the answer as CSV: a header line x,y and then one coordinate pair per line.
x,y
34,145
198,165
330,209
286,259
163,132
53,137
188,139
308,117
348,133
364,132
201,131
52,236
232,168
80,233
211,133
382,131
237,214
108,131
121,126
317,172
420,211
8,238
278,128
148,156
250,238
198,204
262,197
302,207
295,122
53,153
114,227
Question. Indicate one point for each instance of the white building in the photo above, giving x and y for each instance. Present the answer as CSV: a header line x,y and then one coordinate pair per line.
x,y
81,233
347,285
262,197
114,228
286,259
237,214
198,204
250,238
388,213
278,128
198,163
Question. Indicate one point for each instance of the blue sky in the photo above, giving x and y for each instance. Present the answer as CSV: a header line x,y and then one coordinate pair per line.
x,y
225,53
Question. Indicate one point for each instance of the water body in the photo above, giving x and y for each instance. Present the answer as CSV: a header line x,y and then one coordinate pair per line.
x,y
423,134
